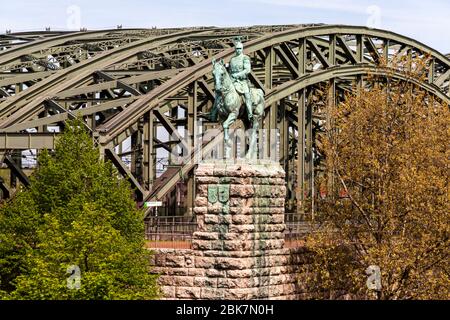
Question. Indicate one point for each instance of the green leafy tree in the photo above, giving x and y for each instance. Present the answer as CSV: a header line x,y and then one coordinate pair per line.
x,y
19,221
77,212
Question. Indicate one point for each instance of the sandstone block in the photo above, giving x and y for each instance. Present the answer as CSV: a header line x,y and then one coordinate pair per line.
x,y
238,245
212,293
230,283
269,227
196,272
205,170
174,261
160,260
201,201
202,190
179,281
205,282
178,271
244,191
220,171
241,294
247,273
207,180
236,236
269,181
234,263
236,180
242,228
278,260
268,210
237,202
189,262
264,191
211,218
219,209
209,244
205,235
165,280
200,210
242,219
187,293
276,280
221,228
215,273
204,262
168,292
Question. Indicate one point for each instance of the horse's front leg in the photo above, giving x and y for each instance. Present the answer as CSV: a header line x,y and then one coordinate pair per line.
x,y
215,109
226,134
258,113
252,146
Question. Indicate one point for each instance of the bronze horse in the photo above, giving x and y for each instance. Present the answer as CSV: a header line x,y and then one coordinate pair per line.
x,y
231,107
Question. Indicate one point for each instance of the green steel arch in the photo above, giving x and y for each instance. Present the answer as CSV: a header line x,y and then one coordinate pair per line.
x,y
131,84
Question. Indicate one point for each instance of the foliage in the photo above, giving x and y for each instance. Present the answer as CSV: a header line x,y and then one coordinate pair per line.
x,y
76,212
388,161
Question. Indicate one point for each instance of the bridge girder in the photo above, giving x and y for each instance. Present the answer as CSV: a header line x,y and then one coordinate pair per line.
x,y
130,84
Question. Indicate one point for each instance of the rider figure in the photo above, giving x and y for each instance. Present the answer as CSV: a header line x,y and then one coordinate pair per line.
x,y
240,67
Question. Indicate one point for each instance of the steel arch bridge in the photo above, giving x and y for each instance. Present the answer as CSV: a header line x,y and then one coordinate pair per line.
x,y
138,89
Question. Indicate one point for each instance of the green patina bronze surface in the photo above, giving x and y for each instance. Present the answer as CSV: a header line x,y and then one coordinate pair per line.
x,y
212,194
232,90
219,193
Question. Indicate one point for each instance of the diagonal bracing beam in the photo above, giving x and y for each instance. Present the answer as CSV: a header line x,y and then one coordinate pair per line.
x,y
120,84
17,170
125,172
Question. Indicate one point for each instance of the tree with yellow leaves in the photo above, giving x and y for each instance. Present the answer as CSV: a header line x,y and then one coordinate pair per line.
x,y
384,230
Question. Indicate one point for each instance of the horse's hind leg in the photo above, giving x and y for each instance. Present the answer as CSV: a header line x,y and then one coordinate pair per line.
x,y
226,135
258,113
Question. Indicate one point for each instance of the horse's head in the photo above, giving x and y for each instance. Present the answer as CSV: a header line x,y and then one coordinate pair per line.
x,y
218,73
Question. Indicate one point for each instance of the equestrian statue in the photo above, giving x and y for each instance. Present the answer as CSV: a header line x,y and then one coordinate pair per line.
x,y
235,97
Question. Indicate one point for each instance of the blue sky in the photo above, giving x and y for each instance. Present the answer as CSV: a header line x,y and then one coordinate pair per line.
x,y
426,21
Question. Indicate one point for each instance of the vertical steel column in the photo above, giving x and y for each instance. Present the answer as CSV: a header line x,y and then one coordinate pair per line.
x,y
330,106
386,51
284,135
431,71
174,148
136,155
301,113
192,133
329,127
332,50
43,128
269,117
16,155
134,137
301,117
309,163
91,118
301,56
149,162
284,153
359,58
359,48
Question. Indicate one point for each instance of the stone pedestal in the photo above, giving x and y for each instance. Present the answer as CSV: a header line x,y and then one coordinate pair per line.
x,y
240,236
237,252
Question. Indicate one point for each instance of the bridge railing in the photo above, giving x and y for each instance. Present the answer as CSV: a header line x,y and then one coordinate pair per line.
x,y
175,232
170,231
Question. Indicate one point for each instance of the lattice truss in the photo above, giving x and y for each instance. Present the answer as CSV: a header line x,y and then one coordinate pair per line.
x,y
143,93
